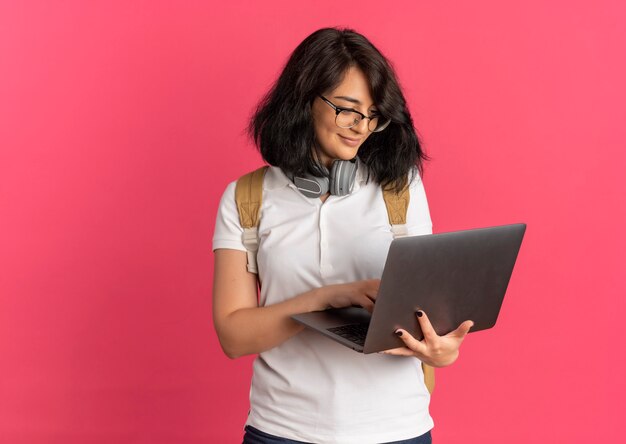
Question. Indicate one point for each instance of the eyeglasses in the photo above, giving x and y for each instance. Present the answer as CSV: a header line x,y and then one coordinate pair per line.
x,y
348,117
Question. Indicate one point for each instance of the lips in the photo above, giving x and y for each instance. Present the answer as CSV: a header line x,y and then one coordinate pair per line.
x,y
350,141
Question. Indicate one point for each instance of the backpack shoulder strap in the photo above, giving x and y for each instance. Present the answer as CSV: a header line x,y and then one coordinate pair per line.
x,y
397,206
249,196
429,377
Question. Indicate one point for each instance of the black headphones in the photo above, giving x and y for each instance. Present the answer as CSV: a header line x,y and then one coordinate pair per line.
x,y
340,182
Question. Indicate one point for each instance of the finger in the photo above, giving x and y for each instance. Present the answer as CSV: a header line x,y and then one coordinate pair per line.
x,y
375,283
462,330
371,288
400,351
427,328
367,304
410,341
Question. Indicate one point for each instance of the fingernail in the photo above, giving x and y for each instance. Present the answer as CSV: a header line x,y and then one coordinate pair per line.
x,y
419,313
398,333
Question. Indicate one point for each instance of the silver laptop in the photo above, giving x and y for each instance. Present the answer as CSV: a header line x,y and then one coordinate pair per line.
x,y
453,277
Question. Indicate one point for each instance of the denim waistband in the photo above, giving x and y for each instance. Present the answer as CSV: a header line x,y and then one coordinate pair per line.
x,y
256,436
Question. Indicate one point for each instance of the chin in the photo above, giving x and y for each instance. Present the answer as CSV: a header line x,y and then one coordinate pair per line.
x,y
344,150
345,154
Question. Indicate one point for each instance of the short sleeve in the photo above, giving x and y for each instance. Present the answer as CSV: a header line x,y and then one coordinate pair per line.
x,y
418,215
228,232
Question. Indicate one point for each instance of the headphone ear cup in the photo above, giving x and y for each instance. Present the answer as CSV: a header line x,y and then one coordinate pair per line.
x,y
342,175
311,186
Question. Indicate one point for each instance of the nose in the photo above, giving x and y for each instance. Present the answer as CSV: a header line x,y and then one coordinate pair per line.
x,y
361,127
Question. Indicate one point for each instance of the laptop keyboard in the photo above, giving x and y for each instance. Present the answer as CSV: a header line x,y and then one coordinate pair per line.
x,y
352,332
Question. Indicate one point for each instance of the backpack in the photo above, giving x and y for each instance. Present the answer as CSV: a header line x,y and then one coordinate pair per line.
x,y
249,196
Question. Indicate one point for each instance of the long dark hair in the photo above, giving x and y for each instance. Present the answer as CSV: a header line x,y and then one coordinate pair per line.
x,y
282,125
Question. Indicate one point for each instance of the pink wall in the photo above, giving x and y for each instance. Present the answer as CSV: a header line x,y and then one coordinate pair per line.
x,y
122,122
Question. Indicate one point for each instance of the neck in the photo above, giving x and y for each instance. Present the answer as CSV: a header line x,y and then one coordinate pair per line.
x,y
322,158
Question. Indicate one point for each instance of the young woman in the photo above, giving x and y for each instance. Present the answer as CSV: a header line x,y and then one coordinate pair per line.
x,y
337,100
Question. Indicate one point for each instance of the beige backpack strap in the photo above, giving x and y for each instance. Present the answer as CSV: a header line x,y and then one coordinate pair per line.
x,y
429,377
248,196
397,207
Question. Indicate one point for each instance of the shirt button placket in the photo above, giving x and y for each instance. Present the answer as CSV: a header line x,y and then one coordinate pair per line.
x,y
325,265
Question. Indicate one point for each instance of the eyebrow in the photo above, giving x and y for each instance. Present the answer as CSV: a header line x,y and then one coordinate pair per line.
x,y
350,99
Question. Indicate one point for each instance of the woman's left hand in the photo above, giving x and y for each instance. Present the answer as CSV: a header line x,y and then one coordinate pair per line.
x,y
434,350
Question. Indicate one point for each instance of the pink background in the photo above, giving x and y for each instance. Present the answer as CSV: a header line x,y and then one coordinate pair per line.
x,y
122,122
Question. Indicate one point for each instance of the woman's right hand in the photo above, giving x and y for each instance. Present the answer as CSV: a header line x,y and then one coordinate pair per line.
x,y
244,328
362,293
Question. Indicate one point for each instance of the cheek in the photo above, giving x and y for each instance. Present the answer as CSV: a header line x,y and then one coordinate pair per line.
x,y
325,130
320,135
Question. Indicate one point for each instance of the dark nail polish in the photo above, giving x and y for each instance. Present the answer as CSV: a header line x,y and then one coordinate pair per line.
x,y
419,313
398,333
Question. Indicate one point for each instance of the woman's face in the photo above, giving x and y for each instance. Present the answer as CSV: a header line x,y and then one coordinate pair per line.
x,y
342,143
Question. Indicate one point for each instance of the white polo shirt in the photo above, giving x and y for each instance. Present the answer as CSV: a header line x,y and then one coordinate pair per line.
x,y
310,388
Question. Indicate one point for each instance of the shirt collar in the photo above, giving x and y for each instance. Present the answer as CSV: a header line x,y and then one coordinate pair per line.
x,y
275,178
361,175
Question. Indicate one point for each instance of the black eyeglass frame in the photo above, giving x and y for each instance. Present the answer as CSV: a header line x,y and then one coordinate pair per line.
x,y
339,109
